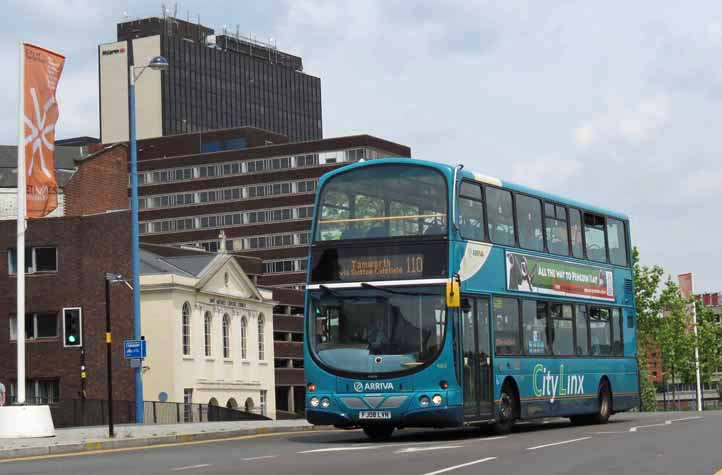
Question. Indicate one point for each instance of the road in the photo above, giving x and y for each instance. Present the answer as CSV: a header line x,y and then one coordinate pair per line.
x,y
661,443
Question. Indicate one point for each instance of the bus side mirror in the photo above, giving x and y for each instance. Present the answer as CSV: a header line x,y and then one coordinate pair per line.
x,y
453,294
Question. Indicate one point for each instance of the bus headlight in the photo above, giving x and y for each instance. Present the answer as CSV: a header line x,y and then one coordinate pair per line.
x,y
437,399
314,401
424,401
325,402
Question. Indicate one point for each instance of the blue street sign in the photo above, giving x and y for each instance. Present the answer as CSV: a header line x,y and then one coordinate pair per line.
x,y
134,349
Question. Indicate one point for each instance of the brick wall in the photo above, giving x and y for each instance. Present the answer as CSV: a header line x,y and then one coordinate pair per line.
x,y
100,184
87,247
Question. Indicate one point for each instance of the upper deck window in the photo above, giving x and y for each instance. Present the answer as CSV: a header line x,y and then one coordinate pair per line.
x,y
528,215
500,215
594,237
383,201
617,242
471,212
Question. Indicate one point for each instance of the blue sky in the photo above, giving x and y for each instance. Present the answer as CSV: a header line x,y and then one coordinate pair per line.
x,y
614,103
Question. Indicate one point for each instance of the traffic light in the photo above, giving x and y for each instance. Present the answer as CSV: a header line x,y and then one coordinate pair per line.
x,y
72,327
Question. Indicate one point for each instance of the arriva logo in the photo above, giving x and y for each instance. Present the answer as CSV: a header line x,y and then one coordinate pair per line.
x,y
547,384
359,387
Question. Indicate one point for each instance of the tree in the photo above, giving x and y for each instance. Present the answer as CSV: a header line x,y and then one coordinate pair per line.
x,y
709,332
646,285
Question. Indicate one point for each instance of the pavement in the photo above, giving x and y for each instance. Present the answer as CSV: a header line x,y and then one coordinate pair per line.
x,y
80,439
659,443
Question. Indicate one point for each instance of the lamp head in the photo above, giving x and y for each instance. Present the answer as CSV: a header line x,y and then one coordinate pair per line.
x,y
159,63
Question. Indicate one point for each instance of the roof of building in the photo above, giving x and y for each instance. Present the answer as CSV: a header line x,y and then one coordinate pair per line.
x,y
64,164
189,266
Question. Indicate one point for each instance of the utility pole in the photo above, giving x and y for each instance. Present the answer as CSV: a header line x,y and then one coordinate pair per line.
x,y
109,277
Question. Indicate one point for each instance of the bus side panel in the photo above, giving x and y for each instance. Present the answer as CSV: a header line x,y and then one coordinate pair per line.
x,y
563,387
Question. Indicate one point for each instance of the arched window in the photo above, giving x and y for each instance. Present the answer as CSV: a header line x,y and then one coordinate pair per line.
x,y
207,320
261,346
186,329
226,336
244,338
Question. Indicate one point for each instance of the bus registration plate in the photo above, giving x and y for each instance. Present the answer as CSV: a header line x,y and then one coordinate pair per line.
x,y
374,415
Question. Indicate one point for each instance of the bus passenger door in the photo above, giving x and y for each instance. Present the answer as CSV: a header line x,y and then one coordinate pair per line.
x,y
476,358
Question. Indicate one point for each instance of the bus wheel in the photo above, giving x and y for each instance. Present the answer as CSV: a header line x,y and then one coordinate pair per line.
x,y
605,404
507,410
378,432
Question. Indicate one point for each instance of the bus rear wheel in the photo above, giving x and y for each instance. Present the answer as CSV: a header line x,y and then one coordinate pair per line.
x,y
507,411
378,432
605,404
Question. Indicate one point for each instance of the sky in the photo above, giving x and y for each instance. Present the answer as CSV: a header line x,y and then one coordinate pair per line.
x,y
612,103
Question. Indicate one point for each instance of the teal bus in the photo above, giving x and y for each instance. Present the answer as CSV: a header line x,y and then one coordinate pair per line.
x,y
439,297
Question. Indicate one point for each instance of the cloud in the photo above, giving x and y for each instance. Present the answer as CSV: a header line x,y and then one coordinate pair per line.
x,y
628,125
546,173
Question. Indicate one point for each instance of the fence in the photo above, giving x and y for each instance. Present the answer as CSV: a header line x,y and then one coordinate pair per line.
x,y
688,404
94,412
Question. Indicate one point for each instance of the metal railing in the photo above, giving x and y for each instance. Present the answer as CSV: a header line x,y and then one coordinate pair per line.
x,y
94,412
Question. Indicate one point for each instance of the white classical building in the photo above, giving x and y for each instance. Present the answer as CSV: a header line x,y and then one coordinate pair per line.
x,y
209,331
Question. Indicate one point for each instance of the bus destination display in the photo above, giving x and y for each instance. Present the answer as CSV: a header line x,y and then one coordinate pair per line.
x,y
382,267
384,262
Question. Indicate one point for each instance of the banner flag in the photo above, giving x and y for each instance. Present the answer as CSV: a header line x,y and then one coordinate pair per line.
x,y
41,72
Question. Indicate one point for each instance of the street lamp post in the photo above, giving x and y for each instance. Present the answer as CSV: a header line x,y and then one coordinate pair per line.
x,y
158,63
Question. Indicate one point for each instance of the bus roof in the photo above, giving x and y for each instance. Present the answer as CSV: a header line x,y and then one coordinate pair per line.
x,y
448,171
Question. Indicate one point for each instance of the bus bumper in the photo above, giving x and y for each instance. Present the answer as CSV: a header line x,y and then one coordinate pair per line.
x,y
440,417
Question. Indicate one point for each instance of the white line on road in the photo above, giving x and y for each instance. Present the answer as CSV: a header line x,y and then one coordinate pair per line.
x,y
494,438
448,469
665,423
190,467
558,443
342,449
409,450
259,458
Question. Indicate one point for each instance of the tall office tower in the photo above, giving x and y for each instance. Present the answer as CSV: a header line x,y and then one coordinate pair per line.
x,y
214,81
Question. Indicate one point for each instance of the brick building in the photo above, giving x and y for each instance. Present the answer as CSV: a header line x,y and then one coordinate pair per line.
x,y
64,274
260,196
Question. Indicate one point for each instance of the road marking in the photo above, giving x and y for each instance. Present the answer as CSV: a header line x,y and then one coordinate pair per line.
x,y
158,446
665,423
259,458
409,450
343,449
448,469
190,467
494,438
563,442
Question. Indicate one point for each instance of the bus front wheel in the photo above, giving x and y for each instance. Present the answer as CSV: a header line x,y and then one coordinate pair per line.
x,y
378,432
507,411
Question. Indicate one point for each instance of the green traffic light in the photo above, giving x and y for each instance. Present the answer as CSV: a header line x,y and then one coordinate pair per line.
x,y
71,339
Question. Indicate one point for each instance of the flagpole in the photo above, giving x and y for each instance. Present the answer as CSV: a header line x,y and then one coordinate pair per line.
x,y
20,247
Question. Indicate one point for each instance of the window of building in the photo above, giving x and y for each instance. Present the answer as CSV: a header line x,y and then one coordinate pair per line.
x,y
226,336
38,391
37,259
263,398
244,338
594,237
500,215
37,325
281,363
617,339
471,211
529,219
261,342
297,337
600,331
617,242
506,326
562,331
297,363
279,336
575,229
207,322
555,219
534,318
186,329
582,327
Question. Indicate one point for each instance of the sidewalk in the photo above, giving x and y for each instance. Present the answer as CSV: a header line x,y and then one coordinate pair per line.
x,y
81,439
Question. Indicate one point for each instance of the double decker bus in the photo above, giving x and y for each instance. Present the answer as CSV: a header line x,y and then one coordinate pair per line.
x,y
439,297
